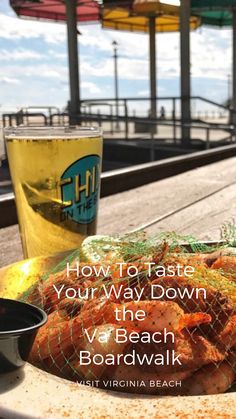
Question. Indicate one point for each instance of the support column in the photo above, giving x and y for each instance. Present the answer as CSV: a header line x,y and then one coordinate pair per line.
x,y
153,77
74,107
185,70
233,115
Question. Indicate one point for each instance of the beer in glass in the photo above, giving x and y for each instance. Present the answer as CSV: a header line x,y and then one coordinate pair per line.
x,y
56,180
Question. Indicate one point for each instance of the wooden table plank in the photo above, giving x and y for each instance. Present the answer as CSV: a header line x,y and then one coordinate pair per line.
x,y
10,245
128,210
203,219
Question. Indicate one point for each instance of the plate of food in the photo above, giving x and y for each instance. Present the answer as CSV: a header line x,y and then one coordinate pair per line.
x,y
134,314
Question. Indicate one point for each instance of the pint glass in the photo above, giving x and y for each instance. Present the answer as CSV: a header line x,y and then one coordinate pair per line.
x,y
56,180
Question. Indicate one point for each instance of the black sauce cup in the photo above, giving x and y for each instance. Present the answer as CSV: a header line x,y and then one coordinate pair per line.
x,y
19,324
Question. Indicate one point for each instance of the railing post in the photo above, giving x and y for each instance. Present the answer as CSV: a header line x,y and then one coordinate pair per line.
x,y
207,138
99,118
174,119
126,120
111,113
50,119
231,135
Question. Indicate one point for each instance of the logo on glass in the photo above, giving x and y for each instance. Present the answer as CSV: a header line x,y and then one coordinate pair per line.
x,y
80,190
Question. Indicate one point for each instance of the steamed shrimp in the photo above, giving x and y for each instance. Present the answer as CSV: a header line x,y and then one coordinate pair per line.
x,y
212,379
227,264
59,338
227,338
159,315
104,342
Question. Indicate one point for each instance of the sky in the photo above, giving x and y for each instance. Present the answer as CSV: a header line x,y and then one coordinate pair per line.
x,y
34,69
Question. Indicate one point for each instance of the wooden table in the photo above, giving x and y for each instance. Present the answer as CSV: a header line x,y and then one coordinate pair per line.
x,y
197,202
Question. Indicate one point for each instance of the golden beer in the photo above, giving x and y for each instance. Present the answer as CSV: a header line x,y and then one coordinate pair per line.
x,y
56,179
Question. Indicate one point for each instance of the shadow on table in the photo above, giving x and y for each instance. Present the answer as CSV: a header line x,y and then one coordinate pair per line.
x,y
11,380
9,414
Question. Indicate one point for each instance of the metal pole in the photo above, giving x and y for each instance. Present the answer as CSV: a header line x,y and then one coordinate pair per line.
x,y
115,56
74,105
153,81
185,70
233,116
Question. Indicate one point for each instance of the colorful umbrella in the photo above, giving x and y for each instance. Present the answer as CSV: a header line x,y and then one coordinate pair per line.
x,y
214,12
72,12
135,18
86,10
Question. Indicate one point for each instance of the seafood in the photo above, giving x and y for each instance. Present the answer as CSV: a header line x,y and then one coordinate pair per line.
x,y
197,331
60,335
211,379
227,264
227,338
217,305
101,340
193,350
158,315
